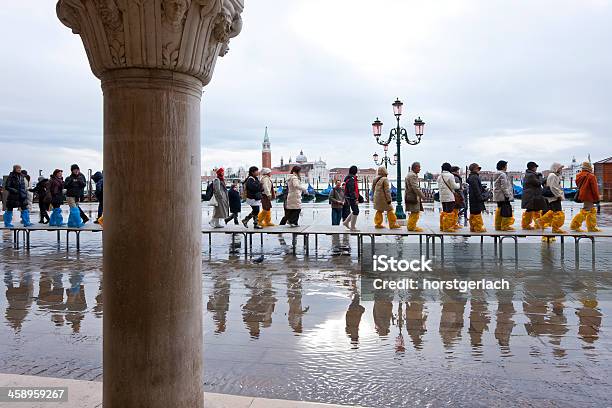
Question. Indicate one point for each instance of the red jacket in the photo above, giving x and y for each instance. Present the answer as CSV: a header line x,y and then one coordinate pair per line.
x,y
587,183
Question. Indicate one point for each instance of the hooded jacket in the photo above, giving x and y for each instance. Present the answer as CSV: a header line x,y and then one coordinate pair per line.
x,y
588,188
99,180
294,192
382,191
502,188
553,181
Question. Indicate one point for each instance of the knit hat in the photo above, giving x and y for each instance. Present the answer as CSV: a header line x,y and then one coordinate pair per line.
x,y
220,172
587,166
74,167
266,170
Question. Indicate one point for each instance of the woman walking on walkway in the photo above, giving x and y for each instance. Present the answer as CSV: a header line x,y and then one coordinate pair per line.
x,y
235,203
253,190
477,198
44,199
17,198
221,200
413,198
554,195
293,205
351,197
503,194
533,201
265,216
336,199
56,189
588,194
382,200
447,187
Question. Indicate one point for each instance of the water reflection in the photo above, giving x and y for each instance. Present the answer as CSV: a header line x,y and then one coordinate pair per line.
x,y
258,309
19,297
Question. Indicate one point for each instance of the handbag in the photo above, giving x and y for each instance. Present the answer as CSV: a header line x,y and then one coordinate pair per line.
x,y
577,195
213,201
458,197
413,199
547,192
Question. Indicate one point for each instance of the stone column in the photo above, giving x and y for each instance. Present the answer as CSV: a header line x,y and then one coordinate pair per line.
x,y
153,58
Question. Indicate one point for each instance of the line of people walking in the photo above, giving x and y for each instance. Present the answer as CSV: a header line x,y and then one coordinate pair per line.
x,y
51,193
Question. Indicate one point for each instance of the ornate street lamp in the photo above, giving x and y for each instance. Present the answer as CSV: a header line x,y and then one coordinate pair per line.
x,y
398,134
385,160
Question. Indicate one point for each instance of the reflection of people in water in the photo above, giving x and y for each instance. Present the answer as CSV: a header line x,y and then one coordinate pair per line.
x,y
98,308
589,320
451,317
416,318
383,311
257,312
400,346
505,323
76,303
19,299
218,301
294,298
51,295
353,318
479,317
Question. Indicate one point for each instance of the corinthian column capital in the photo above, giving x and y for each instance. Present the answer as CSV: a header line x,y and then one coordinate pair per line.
x,y
183,36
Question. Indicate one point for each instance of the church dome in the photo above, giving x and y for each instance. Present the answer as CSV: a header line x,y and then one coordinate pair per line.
x,y
300,158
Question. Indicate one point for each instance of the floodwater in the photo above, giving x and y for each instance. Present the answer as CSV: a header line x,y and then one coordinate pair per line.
x,y
297,327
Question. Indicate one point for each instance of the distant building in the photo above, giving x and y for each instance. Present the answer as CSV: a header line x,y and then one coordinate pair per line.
x,y
568,174
266,152
603,172
314,173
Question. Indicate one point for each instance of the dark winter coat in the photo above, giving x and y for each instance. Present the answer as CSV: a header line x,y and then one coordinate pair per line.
x,y
234,200
75,185
533,198
99,180
253,188
351,188
41,189
56,187
16,187
476,190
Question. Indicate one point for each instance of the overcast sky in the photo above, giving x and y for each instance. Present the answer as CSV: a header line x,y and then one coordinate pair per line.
x,y
515,79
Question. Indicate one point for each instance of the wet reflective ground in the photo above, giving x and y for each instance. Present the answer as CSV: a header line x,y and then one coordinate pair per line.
x,y
301,328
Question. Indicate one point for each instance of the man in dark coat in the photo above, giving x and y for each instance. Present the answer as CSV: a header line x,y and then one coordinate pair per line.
x,y
75,185
17,197
235,203
477,199
98,178
533,201
44,198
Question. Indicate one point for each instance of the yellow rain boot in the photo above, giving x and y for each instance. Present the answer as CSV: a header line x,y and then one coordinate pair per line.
x,y
101,221
498,220
536,219
378,219
476,223
260,219
413,218
526,220
591,221
507,223
392,220
268,219
441,220
545,220
448,223
557,222
456,218
578,219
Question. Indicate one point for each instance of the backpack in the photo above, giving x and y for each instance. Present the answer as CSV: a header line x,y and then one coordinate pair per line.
x,y
209,192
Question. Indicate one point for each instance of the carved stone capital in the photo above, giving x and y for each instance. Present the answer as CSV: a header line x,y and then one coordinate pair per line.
x,y
184,36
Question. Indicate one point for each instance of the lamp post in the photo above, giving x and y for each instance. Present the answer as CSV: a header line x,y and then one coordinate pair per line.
x,y
385,160
398,134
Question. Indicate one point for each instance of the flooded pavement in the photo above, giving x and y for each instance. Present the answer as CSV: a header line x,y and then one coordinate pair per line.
x,y
301,328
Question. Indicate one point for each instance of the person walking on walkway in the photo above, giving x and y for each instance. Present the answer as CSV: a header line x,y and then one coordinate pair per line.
x,y
477,198
553,193
459,197
98,178
533,201
220,201
336,200
447,187
414,196
253,192
588,194
29,189
295,189
503,194
56,192
235,203
265,216
44,199
75,186
383,200
351,198
17,198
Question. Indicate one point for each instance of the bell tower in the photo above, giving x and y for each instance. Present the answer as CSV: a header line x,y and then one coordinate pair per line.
x,y
266,153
